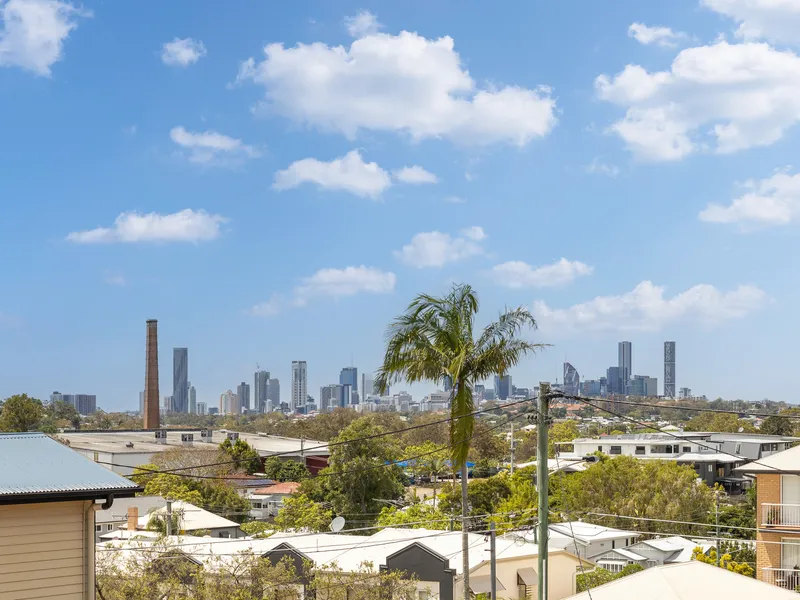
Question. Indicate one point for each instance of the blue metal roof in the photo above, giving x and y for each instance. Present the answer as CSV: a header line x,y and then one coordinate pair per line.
x,y
34,464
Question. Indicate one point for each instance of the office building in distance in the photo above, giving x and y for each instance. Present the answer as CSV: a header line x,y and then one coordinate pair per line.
x,y
502,387
274,394
192,400
624,364
367,385
180,380
299,386
260,385
243,392
572,380
669,369
201,408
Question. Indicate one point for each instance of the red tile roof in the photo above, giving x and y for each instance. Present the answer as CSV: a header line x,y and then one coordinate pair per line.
x,y
286,487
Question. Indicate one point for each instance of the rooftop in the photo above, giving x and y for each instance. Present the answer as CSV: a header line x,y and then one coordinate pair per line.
x,y
192,518
35,467
589,532
119,510
787,461
286,487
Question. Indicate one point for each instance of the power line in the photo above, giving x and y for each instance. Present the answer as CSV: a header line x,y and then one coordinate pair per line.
x,y
697,409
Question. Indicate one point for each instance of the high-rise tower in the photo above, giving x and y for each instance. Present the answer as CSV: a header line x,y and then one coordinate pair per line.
x,y
625,363
260,398
299,385
669,369
151,396
180,380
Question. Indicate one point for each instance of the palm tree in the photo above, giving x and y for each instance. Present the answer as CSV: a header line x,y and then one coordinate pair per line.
x,y
434,340
436,465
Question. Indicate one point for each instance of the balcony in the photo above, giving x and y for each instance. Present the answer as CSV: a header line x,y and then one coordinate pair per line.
x,y
787,515
788,579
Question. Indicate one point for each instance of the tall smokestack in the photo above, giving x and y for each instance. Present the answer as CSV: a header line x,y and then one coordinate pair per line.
x,y
151,416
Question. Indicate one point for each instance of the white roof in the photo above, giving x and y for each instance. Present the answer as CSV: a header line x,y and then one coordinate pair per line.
x,y
589,532
119,508
708,457
686,581
684,546
571,464
629,554
787,461
192,517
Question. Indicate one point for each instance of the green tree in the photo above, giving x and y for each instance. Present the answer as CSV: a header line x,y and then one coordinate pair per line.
x,y
258,529
599,576
21,413
736,515
777,426
483,498
246,457
719,422
300,513
416,516
725,561
285,470
64,414
434,340
655,489
358,476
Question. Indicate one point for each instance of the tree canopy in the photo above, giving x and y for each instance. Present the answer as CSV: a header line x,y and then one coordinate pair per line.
x,y
21,413
285,470
246,457
301,513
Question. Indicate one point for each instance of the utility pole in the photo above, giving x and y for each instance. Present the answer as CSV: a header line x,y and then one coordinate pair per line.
x,y
541,484
493,565
512,448
169,518
716,519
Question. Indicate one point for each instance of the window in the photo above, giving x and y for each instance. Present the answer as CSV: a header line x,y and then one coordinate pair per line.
x,y
599,448
687,448
613,544
109,527
710,468
738,448
98,528
640,450
615,450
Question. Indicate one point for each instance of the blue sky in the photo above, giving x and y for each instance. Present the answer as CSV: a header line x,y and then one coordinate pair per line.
x,y
276,181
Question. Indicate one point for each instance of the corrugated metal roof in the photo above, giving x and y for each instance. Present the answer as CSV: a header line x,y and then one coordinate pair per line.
x,y
33,463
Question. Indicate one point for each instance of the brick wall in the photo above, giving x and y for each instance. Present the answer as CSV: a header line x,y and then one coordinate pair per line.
x,y
767,554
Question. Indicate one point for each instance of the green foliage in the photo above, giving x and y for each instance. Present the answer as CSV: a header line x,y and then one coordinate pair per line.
x,y
483,496
725,561
416,516
21,413
285,470
719,422
644,488
365,582
246,457
158,522
258,529
300,513
590,579
777,426
738,514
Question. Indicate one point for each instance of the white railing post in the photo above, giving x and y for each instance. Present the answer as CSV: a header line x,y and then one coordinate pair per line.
x,y
780,514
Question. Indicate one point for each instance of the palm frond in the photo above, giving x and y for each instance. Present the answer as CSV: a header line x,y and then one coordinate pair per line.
x,y
498,357
509,324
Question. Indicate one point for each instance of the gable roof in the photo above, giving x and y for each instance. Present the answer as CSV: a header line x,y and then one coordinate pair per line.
x,y
685,581
193,517
787,461
285,487
589,532
680,547
37,468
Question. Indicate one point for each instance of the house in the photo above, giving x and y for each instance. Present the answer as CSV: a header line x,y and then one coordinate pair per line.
x,y
587,540
48,497
267,501
650,553
191,518
691,580
114,517
777,517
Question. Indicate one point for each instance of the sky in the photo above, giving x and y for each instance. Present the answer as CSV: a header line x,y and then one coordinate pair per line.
x,y
275,181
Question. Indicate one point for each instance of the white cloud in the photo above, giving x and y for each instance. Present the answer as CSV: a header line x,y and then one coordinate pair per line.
x,y
771,201
436,249
345,282
33,33
269,308
597,167
414,175
117,279
403,83
349,173
775,20
363,23
210,147
660,36
516,274
725,97
646,309
454,200
182,52
130,227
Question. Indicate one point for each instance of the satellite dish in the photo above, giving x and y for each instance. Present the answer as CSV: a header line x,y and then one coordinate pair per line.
x,y
337,524
741,429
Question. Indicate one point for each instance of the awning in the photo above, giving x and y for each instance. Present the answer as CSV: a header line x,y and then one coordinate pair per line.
x,y
528,576
482,584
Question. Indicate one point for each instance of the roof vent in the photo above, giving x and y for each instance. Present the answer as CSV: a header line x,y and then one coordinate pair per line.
x,y
161,436
233,435
187,439
129,445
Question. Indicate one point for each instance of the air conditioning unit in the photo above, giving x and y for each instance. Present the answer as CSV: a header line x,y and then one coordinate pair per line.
x,y
205,435
233,435
161,436
187,439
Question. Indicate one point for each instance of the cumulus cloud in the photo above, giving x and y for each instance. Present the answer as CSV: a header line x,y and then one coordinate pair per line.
x,y
454,200
516,274
210,147
345,282
436,249
775,20
767,202
414,175
33,32
403,83
270,308
660,36
723,97
115,278
182,52
598,167
349,173
362,24
131,227
646,308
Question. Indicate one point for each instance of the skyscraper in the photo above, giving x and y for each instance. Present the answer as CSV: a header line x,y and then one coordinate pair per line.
x,y
141,403
349,376
274,394
669,369
624,363
502,387
613,380
192,400
299,385
151,398
201,408
367,385
260,398
243,392
229,404
180,380
572,380
448,383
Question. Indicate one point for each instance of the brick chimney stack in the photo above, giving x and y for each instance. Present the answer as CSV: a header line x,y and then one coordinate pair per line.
x,y
133,518
151,395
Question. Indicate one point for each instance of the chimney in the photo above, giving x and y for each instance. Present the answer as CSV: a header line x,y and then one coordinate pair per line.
x,y
151,416
133,518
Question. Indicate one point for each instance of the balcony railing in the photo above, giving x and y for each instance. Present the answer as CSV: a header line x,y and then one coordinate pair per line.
x,y
788,579
780,514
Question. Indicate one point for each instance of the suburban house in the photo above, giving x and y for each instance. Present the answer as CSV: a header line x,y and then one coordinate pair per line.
x,y
48,497
267,501
587,540
116,516
714,456
122,451
691,580
187,517
778,517
650,553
